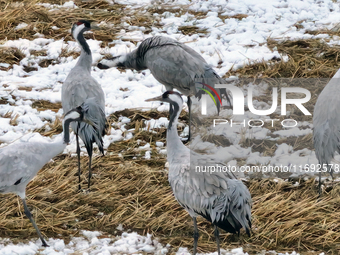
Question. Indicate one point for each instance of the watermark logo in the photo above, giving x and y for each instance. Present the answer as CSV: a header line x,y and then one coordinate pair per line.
x,y
238,100
204,96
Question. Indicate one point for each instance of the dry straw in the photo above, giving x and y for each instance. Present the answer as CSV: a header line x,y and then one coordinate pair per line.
x,y
136,193
132,191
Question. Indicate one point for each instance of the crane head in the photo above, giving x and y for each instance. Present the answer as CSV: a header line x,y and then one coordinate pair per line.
x,y
82,26
76,114
168,97
87,23
111,62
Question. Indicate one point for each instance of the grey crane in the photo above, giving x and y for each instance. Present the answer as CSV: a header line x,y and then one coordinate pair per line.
x,y
173,64
20,162
326,123
78,86
217,196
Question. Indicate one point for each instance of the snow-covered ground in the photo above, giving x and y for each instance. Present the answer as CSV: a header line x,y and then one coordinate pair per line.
x,y
90,243
233,43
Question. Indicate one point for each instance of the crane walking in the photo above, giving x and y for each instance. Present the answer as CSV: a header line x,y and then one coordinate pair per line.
x,y
79,86
173,64
20,162
217,196
326,126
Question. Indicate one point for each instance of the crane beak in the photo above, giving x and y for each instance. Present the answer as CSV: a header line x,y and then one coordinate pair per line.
x,y
159,98
94,26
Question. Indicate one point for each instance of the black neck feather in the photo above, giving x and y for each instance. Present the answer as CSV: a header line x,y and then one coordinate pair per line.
x,y
83,43
66,130
174,109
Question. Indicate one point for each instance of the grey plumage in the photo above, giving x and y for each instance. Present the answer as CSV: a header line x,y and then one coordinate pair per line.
x,y
326,123
217,196
79,86
20,162
173,64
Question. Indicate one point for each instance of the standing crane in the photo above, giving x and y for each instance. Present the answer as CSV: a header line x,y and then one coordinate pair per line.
x,y
326,123
216,196
79,86
20,162
173,64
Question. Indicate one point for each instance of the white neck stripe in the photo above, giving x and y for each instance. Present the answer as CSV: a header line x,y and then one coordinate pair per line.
x,y
72,115
77,30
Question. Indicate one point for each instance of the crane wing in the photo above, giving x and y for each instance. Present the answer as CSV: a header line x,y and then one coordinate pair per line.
x,y
75,92
18,163
175,68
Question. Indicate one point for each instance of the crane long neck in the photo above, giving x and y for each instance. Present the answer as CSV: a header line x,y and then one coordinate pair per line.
x,y
85,59
66,130
174,143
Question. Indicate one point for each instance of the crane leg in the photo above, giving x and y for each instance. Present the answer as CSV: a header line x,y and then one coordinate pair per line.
x,y
331,171
90,170
196,235
189,108
319,184
217,237
78,155
29,215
